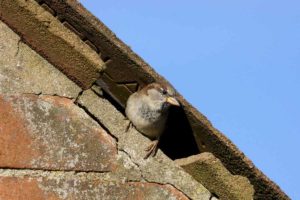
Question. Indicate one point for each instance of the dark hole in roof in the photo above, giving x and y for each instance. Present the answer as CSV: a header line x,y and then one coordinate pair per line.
x,y
178,140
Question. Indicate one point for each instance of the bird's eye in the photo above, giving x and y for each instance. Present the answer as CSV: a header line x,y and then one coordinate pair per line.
x,y
164,91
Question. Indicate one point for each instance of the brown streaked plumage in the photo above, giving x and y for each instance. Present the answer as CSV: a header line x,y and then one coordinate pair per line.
x,y
148,110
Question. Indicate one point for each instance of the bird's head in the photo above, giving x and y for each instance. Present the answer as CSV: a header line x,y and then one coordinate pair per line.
x,y
160,95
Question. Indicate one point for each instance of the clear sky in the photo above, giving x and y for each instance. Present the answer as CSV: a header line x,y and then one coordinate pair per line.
x,y
238,62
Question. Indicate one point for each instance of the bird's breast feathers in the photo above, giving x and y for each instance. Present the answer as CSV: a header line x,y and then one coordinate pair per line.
x,y
147,120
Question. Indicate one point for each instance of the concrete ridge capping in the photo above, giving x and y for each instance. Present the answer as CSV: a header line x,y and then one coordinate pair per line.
x,y
210,171
125,72
45,34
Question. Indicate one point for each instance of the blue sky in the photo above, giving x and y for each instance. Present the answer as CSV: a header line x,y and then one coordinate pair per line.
x,y
238,62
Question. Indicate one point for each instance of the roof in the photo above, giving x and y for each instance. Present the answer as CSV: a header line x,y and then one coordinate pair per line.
x,y
121,73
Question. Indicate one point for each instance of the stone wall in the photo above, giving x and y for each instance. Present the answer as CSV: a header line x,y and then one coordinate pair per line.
x,y
78,44
60,142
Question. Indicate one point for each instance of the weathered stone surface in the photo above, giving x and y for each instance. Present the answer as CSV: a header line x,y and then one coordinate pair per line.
x,y
51,132
126,169
209,171
53,40
159,169
69,186
23,71
124,67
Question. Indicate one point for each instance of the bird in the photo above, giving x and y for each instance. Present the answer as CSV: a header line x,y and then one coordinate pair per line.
x,y
148,110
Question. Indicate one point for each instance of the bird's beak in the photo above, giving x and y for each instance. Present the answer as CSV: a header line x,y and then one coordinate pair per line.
x,y
172,101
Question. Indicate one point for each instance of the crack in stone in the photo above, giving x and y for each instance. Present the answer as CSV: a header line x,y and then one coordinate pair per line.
x,y
33,93
135,163
45,94
177,189
45,172
66,174
78,96
170,184
56,95
148,181
95,119
106,129
163,184
18,47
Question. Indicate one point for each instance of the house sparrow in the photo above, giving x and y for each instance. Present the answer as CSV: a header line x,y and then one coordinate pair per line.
x,y
148,110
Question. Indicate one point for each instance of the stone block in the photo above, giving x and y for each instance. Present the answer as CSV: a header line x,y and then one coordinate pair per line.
x,y
209,171
22,70
50,38
58,186
51,132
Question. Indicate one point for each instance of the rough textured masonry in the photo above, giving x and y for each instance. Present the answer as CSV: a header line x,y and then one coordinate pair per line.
x,y
52,130
210,171
126,71
53,40
59,143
